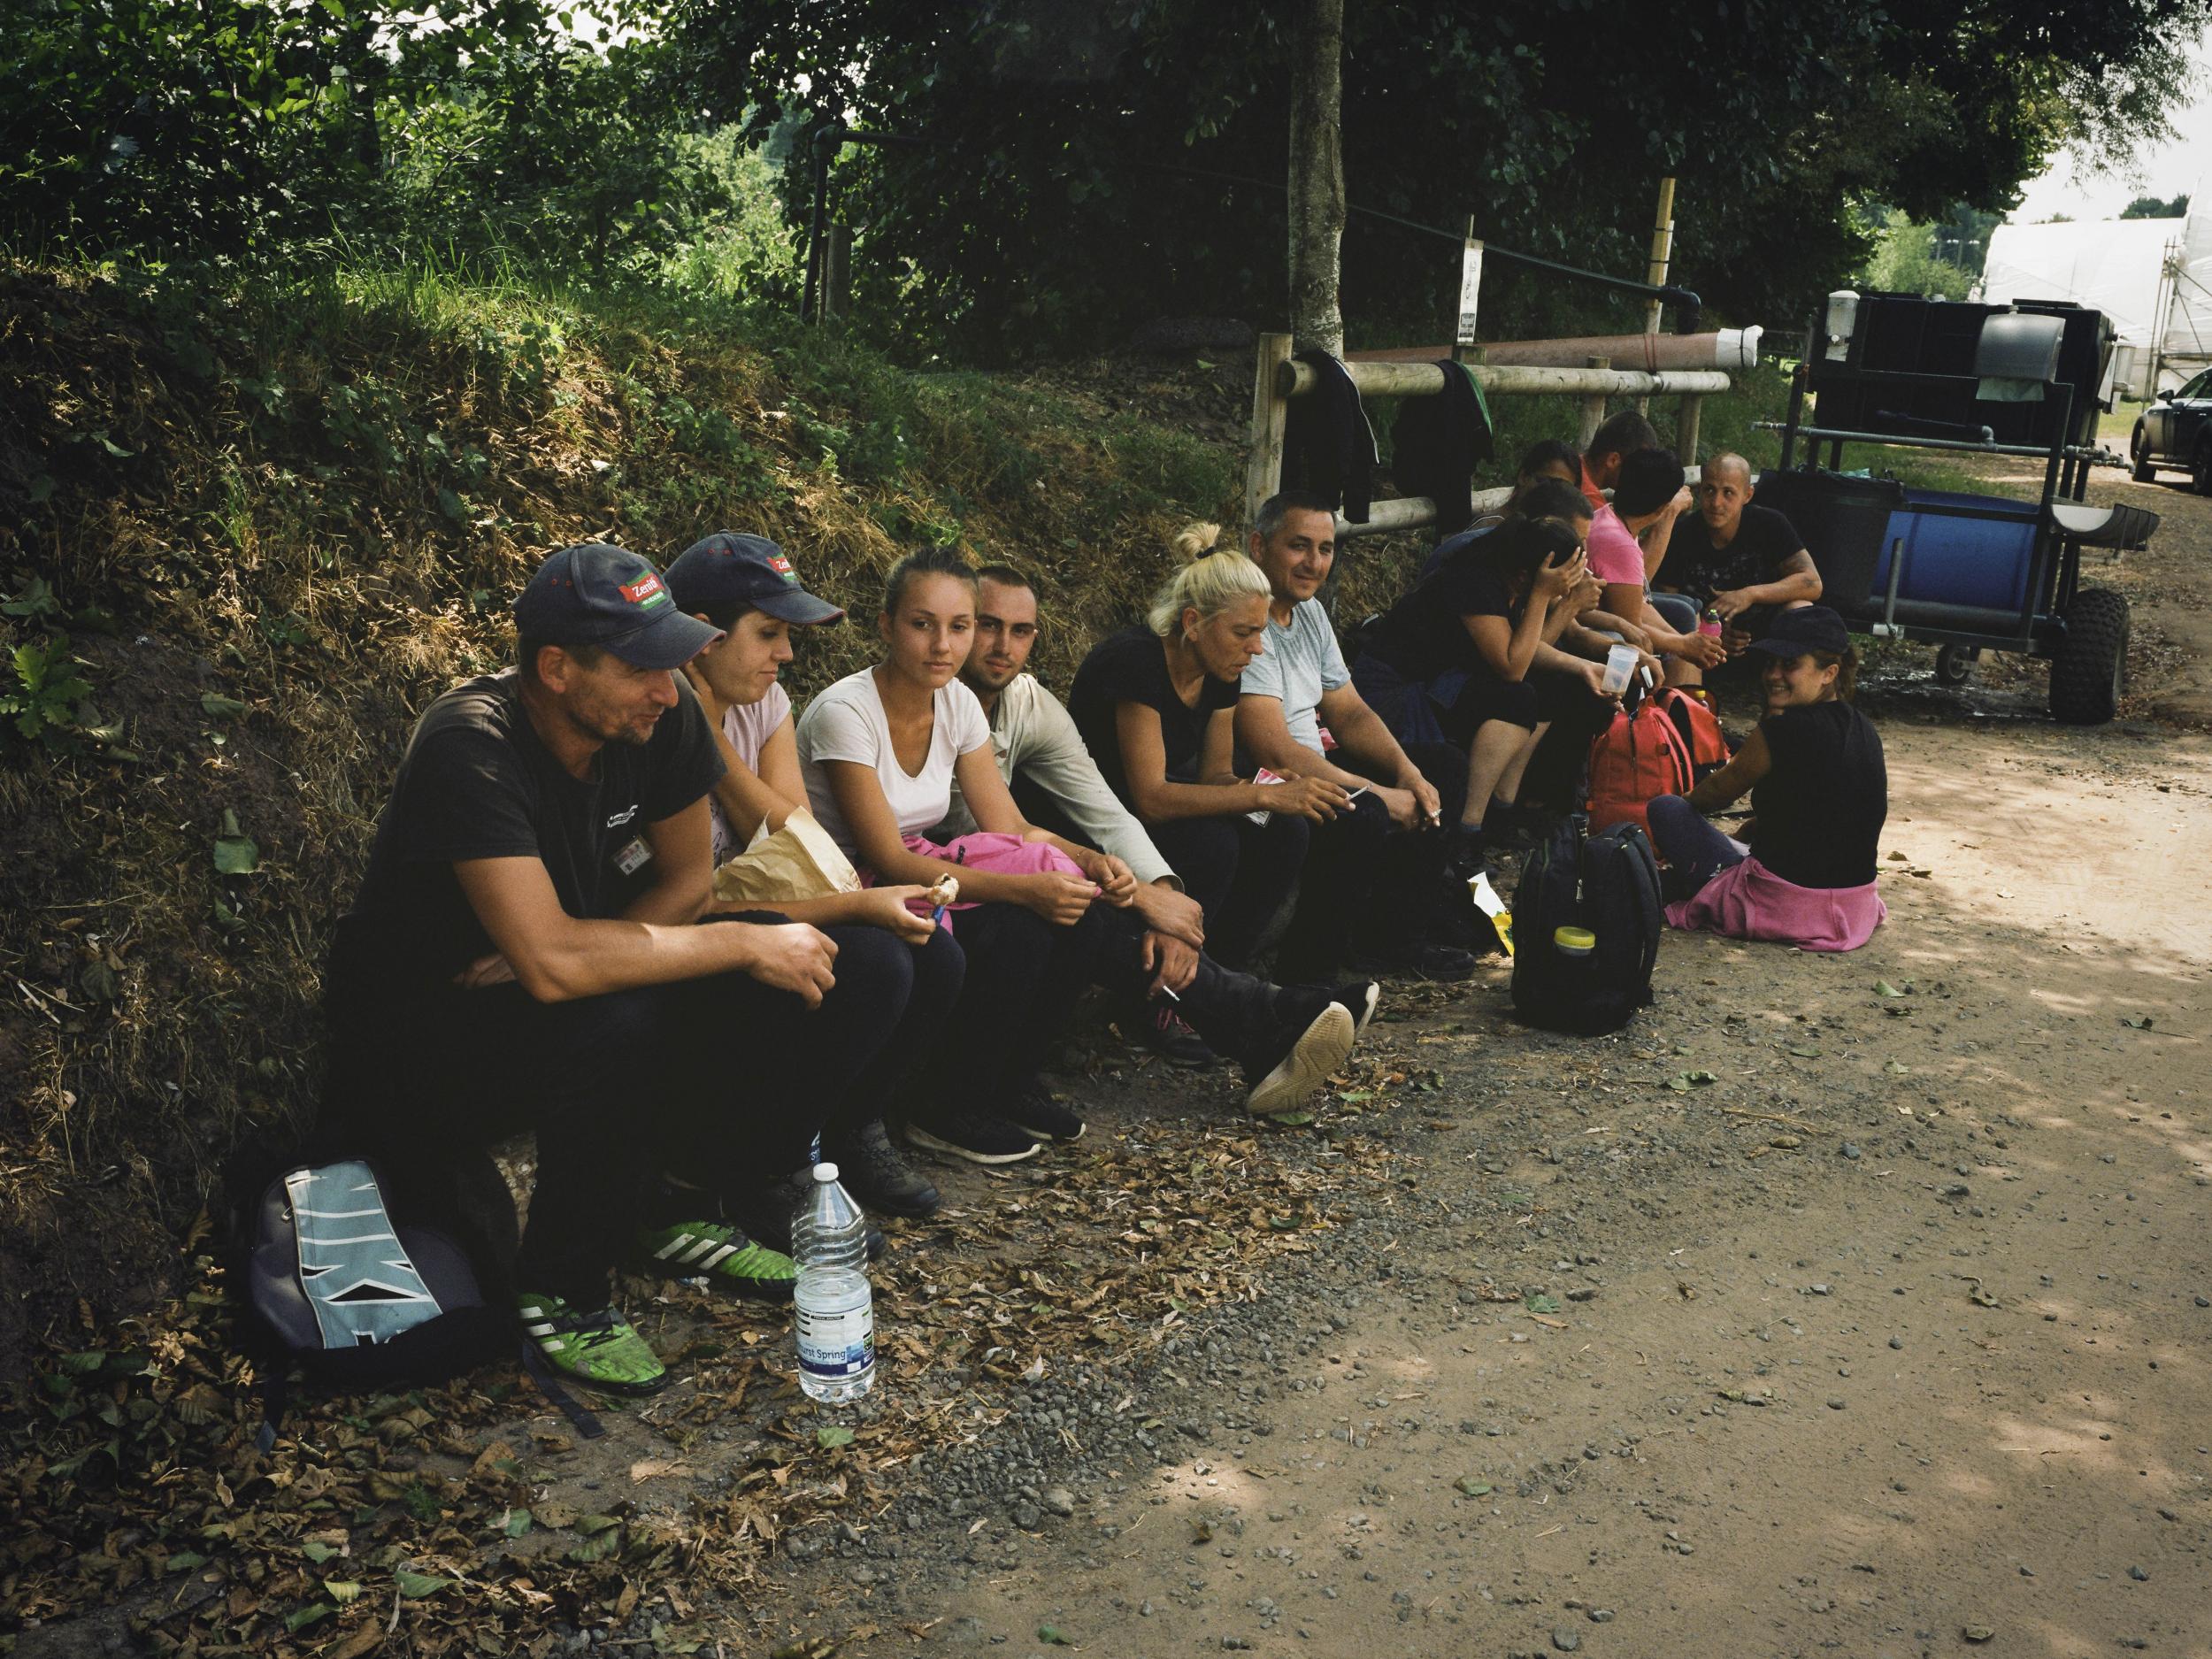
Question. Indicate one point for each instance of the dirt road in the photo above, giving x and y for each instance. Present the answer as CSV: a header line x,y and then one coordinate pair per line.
x,y
1921,1354
1892,1338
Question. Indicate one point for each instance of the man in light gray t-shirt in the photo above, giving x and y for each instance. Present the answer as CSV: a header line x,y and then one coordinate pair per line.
x,y
1301,665
1373,881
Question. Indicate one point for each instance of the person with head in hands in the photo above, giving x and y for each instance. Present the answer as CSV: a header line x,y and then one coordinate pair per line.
x,y
1472,658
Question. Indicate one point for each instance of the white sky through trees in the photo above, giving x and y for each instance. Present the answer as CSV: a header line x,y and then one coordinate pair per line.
x,y
2184,163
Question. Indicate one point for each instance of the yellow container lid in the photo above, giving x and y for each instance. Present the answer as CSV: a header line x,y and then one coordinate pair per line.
x,y
1575,941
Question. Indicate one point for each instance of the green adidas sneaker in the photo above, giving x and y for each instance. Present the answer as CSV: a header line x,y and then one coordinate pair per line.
x,y
600,1350
722,1255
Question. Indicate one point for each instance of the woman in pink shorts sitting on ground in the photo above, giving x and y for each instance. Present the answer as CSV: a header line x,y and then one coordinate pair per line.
x,y
1804,874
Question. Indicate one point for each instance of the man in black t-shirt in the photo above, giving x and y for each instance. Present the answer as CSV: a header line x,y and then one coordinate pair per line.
x,y
1745,561
522,956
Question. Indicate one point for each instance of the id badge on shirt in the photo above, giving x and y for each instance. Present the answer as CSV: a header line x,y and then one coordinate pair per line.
x,y
633,855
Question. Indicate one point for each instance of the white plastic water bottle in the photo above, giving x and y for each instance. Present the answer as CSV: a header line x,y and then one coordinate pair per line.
x,y
836,1310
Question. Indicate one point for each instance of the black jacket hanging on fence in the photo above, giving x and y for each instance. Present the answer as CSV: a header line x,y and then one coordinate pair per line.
x,y
1439,442
1328,446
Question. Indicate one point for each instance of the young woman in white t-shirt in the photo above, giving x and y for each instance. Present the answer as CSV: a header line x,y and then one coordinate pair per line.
x,y
744,586
880,751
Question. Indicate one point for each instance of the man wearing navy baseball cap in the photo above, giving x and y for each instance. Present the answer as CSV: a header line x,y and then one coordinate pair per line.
x,y
522,956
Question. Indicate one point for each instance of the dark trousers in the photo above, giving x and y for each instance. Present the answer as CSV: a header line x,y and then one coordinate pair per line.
x,y
1243,874
1233,1011
1023,975
939,973
1336,892
1696,850
721,1078
1388,880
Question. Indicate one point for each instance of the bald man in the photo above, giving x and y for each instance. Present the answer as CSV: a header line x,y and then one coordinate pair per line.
x,y
1743,560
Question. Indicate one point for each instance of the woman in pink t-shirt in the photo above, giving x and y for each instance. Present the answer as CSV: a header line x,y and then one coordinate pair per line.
x,y
1628,544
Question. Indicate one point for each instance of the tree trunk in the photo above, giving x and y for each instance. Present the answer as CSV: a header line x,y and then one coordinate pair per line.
x,y
1316,174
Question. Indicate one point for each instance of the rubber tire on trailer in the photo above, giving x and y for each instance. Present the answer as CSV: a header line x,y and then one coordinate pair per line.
x,y
2090,667
2142,471
1955,664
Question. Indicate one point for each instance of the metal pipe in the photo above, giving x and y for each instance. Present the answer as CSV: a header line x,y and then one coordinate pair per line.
x,y
1895,440
1886,628
1725,348
1426,379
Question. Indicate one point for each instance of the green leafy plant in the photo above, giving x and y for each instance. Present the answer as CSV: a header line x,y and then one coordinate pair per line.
x,y
39,702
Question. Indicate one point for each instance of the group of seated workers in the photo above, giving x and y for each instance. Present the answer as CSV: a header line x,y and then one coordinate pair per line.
x,y
536,943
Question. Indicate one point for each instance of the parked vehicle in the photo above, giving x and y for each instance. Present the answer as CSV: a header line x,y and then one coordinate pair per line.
x,y
2175,431
1965,572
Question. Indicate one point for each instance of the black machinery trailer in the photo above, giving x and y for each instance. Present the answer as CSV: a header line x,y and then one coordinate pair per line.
x,y
1965,572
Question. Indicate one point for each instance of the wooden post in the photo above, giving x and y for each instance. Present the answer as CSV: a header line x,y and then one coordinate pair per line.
x,y
1270,409
837,272
1685,429
1656,272
1593,406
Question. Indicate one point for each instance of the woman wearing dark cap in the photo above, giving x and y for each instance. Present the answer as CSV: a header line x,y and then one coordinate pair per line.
x,y
745,586
1819,795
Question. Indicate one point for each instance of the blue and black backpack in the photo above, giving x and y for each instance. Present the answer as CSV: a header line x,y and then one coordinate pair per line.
x,y
363,1271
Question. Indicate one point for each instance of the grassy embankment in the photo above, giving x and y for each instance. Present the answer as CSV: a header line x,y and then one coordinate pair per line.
x,y
270,528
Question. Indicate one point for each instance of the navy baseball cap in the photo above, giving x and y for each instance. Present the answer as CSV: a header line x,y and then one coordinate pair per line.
x,y
1804,628
613,598
751,569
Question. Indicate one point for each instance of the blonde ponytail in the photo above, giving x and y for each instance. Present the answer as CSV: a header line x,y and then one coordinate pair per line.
x,y
1208,581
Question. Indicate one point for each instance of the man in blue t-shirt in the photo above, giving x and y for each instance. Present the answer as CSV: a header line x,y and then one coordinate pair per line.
x,y
1373,878
522,956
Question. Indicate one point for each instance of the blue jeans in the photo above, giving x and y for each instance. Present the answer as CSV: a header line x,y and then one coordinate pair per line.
x,y
1679,610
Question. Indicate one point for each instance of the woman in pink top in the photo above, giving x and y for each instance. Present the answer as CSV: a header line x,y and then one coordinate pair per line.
x,y
1628,544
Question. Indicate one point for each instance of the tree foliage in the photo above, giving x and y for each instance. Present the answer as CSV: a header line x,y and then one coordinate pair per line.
x,y
1045,201
2157,207
258,130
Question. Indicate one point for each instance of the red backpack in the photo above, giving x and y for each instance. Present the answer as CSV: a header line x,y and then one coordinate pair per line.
x,y
1639,757
1700,728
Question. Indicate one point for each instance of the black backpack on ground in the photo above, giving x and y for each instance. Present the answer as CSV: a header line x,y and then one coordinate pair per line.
x,y
364,1270
1608,884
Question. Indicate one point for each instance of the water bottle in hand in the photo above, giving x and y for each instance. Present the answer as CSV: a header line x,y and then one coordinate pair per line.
x,y
836,1314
